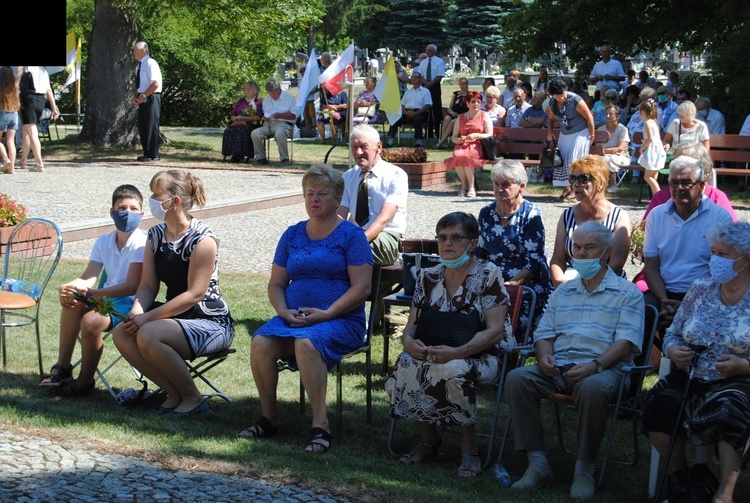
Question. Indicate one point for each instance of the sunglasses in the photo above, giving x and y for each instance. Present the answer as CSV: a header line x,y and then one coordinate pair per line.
x,y
580,179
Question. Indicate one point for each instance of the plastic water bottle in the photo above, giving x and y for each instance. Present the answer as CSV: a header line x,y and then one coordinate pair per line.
x,y
30,289
8,284
501,474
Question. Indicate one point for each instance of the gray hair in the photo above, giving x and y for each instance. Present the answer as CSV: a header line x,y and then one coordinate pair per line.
x,y
254,85
598,231
141,46
734,234
365,132
696,150
434,47
492,91
705,100
685,162
687,110
510,169
272,85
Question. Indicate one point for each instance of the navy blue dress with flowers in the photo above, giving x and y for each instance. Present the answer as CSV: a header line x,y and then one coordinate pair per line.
x,y
516,246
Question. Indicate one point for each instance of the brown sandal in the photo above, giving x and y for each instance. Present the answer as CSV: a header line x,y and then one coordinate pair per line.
x,y
467,469
426,450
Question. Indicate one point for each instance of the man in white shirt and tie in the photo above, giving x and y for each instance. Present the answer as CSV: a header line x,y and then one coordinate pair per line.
x,y
432,70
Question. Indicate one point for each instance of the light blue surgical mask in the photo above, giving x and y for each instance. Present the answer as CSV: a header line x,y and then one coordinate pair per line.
x,y
702,114
157,208
458,262
662,98
722,269
126,221
587,267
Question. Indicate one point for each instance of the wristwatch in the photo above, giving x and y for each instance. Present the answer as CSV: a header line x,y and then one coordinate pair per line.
x,y
599,367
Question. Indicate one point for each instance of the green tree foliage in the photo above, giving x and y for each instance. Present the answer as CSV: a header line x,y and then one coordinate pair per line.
x,y
474,24
412,24
347,20
720,30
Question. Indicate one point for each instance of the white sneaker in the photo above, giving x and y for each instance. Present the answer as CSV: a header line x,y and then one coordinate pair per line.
x,y
390,142
612,190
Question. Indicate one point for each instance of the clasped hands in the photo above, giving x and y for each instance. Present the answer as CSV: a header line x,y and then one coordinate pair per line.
x,y
303,316
577,373
134,322
431,354
727,365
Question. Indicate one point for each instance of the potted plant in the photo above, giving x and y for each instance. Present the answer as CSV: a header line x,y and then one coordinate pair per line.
x,y
414,161
12,213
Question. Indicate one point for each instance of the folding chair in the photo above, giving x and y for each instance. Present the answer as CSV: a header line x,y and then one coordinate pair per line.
x,y
366,348
627,405
516,301
31,255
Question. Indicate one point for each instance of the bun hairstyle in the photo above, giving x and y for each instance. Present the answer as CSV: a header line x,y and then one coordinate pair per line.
x,y
649,106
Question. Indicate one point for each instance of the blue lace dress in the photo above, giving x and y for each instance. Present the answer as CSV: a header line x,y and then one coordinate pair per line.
x,y
516,246
318,276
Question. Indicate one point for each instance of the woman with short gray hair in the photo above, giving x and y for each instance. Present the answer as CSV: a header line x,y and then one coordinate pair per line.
x,y
686,127
512,235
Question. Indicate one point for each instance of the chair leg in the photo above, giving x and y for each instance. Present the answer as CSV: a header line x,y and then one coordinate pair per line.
x,y
368,370
2,336
39,344
391,432
339,404
301,397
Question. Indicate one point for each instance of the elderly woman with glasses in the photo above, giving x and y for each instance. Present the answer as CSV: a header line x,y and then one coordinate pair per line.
x,y
435,384
576,131
468,131
589,177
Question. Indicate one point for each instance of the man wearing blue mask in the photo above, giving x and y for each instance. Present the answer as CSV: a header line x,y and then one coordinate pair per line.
x,y
712,117
591,328
118,256
666,105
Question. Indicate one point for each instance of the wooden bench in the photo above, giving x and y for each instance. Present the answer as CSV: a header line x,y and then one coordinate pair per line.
x,y
531,141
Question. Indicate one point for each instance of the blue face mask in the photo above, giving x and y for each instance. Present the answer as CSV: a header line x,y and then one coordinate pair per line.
x,y
702,114
456,263
587,267
126,221
722,269
662,98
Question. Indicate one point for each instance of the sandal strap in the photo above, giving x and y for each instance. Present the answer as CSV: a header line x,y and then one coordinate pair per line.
x,y
262,428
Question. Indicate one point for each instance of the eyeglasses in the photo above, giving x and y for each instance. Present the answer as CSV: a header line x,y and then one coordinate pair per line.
x,y
685,184
610,98
456,238
580,179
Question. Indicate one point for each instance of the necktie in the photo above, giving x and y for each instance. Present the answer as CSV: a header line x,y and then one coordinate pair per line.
x,y
429,69
363,203
138,78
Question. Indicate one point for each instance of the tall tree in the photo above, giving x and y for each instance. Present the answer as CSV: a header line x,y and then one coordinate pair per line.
x,y
412,24
185,36
474,24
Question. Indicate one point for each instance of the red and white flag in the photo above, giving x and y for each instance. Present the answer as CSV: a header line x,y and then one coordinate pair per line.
x,y
339,70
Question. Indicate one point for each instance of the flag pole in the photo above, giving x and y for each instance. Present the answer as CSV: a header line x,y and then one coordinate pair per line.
x,y
350,113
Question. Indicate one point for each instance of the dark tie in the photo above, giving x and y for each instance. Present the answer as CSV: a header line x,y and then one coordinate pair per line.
x,y
138,78
429,69
363,203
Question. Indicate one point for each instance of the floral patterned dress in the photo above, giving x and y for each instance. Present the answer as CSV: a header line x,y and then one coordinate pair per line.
x,y
468,154
444,393
517,245
716,408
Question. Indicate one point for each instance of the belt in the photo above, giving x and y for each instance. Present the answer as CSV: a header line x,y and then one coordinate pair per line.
x,y
413,109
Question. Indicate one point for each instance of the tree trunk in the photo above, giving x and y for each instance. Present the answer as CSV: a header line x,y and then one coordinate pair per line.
x,y
110,117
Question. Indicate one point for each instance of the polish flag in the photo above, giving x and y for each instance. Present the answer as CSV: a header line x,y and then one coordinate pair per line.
x,y
339,70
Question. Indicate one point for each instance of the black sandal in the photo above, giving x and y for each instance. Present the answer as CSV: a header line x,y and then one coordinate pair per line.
x,y
56,376
72,388
430,451
320,441
262,428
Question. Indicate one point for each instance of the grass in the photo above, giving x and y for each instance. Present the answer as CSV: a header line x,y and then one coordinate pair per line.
x,y
358,466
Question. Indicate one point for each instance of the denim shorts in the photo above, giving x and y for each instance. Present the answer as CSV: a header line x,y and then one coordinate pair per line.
x,y
8,120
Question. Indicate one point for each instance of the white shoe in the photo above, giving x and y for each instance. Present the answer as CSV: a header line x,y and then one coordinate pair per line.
x,y
471,193
612,190
390,142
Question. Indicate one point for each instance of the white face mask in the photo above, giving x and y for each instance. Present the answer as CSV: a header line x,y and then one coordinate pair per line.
x,y
157,208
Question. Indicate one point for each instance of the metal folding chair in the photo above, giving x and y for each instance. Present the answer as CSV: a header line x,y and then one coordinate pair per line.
x,y
31,254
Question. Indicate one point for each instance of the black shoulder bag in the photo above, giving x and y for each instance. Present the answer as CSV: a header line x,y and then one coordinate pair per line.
x,y
446,328
26,85
551,156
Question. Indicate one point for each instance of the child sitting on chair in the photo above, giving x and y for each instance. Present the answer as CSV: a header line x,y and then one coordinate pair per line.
x,y
120,253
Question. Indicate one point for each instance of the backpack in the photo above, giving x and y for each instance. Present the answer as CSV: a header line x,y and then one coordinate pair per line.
x,y
27,83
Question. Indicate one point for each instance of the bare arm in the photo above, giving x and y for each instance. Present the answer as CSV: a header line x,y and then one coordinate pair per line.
x,y
559,260
621,244
583,109
381,221
128,287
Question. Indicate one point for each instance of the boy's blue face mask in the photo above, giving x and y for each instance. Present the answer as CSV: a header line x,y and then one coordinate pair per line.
x,y
126,221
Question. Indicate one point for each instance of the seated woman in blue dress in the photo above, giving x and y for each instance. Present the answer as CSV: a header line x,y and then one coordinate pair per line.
x,y
333,109
321,277
512,235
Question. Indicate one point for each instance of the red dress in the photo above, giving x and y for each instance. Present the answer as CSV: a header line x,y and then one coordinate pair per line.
x,y
468,155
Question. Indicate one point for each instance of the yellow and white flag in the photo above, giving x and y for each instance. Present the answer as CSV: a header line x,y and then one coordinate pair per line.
x,y
387,92
73,58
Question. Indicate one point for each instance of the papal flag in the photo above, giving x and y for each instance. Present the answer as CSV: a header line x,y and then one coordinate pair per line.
x,y
387,92
73,58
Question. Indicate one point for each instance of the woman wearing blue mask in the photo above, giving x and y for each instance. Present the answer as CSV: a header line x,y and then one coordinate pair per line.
x,y
182,253
443,375
119,257
686,128
711,334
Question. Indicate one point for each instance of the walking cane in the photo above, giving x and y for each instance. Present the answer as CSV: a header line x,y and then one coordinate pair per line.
x,y
697,350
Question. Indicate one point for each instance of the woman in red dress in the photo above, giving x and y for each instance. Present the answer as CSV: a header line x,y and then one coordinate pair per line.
x,y
468,130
